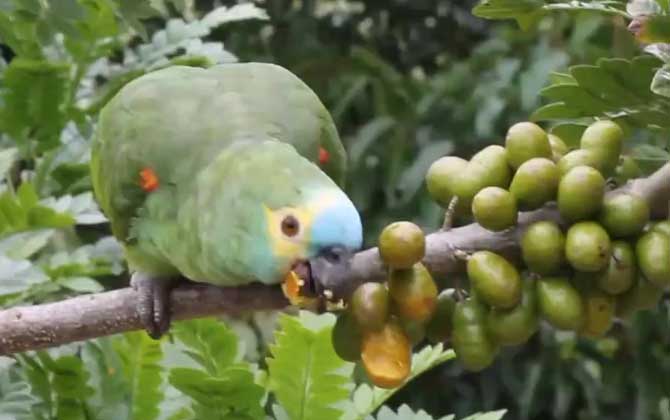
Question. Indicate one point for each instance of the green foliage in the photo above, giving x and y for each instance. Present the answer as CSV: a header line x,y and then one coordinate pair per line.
x,y
140,357
614,88
223,387
527,12
305,374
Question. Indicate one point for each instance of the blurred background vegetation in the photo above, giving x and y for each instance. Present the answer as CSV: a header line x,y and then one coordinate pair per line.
x,y
407,81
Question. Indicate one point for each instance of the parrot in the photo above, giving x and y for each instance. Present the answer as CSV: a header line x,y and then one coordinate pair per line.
x,y
227,175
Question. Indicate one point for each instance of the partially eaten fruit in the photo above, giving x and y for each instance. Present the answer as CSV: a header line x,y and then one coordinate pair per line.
x,y
298,286
386,356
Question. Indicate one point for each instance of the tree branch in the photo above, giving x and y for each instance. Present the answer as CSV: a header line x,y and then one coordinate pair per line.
x,y
89,316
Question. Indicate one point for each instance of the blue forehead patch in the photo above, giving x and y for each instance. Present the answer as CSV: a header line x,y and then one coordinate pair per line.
x,y
338,224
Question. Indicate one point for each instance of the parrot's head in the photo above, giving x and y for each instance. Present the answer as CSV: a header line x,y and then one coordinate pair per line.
x,y
289,211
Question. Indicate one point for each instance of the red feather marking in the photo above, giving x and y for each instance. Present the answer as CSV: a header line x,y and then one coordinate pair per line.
x,y
324,156
148,179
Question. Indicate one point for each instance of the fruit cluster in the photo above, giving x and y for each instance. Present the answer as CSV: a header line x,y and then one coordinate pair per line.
x,y
605,259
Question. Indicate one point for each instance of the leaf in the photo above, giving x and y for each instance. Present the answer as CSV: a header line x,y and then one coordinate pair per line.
x,y
366,399
406,413
305,374
180,38
491,415
141,358
69,383
238,12
213,345
133,12
109,399
81,208
570,133
7,158
81,284
660,51
18,275
613,88
25,244
525,12
660,85
231,394
16,399
554,111
35,93
643,8
367,136
225,387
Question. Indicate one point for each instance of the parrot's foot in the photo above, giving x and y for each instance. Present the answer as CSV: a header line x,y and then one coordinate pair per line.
x,y
153,301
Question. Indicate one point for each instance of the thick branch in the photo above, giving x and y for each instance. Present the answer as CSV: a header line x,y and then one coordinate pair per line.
x,y
95,315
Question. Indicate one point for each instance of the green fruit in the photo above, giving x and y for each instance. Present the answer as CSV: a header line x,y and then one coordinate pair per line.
x,y
642,296
588,247
525,141
653,257
487,168
415,330
606,139
402,244
558,147
468,184
577,158
438,329
662,227
624,215
515,326
560,303
413,292
494,161
439,178
627,169
535,183
494,279
619,276
494,208
470,339
346,338
370,306
543,247
580,193
599,308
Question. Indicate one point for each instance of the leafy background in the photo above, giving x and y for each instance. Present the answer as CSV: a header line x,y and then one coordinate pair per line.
x,y
406,82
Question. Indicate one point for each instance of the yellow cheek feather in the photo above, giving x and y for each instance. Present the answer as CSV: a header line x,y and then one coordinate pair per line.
x,y
295,247
285,247
289,249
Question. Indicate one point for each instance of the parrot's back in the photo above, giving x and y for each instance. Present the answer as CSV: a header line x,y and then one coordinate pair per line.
x,y
165,127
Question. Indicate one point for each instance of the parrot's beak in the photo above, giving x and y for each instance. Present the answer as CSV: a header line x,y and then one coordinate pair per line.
x,y
303,287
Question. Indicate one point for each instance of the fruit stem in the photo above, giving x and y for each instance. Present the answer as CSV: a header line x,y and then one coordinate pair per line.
x,y
449,214
459,254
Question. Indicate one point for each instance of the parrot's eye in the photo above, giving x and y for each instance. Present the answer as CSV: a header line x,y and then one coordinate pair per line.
x,y
290,226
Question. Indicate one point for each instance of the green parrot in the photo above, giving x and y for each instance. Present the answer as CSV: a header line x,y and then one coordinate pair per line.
x,y
213,175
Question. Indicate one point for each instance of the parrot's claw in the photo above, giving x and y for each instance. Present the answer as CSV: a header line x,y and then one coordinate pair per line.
x,y
153,299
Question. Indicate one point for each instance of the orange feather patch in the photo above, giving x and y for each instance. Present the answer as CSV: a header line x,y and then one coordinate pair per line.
x,y
148,179
324,156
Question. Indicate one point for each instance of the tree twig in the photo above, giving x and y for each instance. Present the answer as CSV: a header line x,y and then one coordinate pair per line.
x,y
95,315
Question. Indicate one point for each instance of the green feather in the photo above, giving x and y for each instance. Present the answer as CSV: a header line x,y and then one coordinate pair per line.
x,y
221,140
